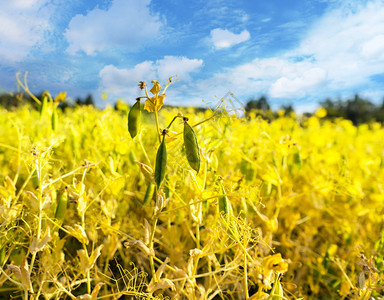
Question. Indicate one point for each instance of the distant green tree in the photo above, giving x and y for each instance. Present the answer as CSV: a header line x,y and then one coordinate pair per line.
x,y
357,109
334,109
288,109
11,101
379,114
87,101
259,104
8,100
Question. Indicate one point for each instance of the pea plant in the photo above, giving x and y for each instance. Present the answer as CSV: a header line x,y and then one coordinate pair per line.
x,y
156,178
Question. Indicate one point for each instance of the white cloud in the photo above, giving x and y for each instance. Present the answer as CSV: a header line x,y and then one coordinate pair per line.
x,y
24,4
223,38
286,87
126,23
374,48
181,66
347,43
114,79
118,81
23,25
338,54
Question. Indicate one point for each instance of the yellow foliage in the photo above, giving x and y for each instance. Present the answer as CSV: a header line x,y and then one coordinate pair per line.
x,y
304,192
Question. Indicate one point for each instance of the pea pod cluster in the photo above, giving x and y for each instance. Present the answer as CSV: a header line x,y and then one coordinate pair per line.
x,y
134,119
191,146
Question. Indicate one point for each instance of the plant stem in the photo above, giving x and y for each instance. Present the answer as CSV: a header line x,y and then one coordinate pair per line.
x,y
40,198
157,126
198,234
245,277
145,152
26,88
174,118
88,274
151,248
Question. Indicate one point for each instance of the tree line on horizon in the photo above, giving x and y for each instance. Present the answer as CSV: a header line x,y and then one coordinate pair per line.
x,y
356,109
12,101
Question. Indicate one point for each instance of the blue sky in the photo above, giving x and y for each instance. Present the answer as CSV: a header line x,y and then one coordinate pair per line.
x,y
296,51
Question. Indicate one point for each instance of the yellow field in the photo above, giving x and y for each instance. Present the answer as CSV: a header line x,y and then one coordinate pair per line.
x,y
303,208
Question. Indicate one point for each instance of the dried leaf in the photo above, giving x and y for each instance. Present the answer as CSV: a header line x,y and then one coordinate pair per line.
x,y
95,254
147,171
15,270
96,290
161,285
161,269
84,297
140,244
195,252
37,246
78,232
25,278
147,231
86,262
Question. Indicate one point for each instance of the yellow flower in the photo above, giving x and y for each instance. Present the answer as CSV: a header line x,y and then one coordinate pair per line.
x,y
321,112
60,97
272,264
155,103
156,87
275,263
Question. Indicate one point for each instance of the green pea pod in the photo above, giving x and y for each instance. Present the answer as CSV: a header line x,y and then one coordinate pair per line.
x,y
166,187
297,159
191,147
161,163
61,207
43,106
2,255
134,118
54,119
224,203
149,193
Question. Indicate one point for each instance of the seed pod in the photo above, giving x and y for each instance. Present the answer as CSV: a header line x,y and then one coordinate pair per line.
x,y
166,187
134,118
191,146
224,203
149,193
43,106
61,207
161,162
2,255
54,119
